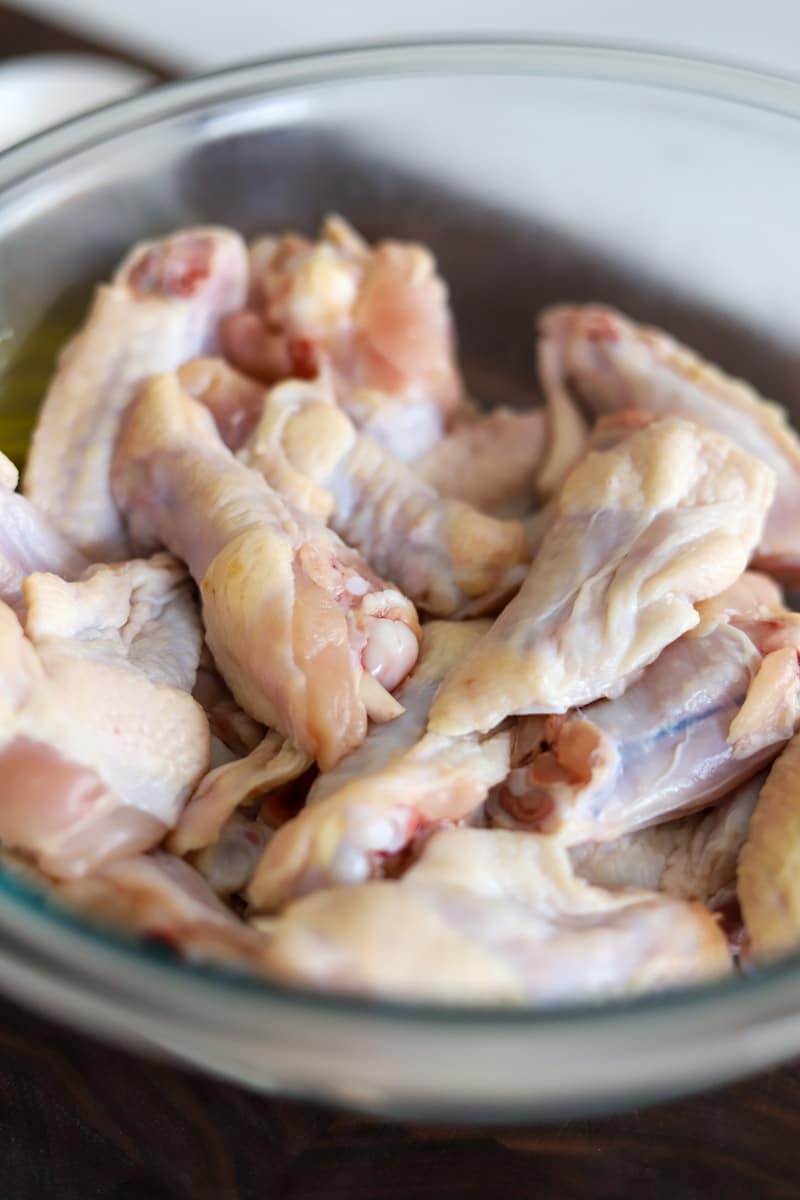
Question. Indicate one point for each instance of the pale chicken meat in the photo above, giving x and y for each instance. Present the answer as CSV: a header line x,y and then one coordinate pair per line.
x,y
235,400
246,746
492,917
270,765
228,863
162,307
489,461
162,897
769,865
401,783
309,640
29,541
230,725
639,534
672,743
694,858
377,317
446,556
608,362
100,743
567,429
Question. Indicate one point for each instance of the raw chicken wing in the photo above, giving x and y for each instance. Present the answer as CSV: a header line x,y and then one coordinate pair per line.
x,y
492,917
308,639
399,783
100,742
162,307
162,897
273,763
378,317
489,461
610,363
694,857
704,717
639,533
446,556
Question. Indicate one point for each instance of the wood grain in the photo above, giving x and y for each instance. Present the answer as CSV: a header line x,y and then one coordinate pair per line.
x,y
81,1121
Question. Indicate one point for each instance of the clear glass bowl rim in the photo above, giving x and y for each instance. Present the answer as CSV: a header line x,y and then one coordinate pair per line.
x,y
778,984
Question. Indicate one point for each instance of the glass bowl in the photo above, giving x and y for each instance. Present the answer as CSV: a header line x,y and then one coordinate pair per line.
x,y
537,173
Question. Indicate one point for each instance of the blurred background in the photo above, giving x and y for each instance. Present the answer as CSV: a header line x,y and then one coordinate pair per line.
x,y
164,38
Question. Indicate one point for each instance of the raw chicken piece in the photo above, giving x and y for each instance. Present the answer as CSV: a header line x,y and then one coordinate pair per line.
x,y
228,863
378,317
609,363
407,429
488,917
446,556
399,783
100,744
753,595
769,865
308,639
489,462
639,534
235,401
567,433
28,541
667,746
693,858
159,896
270,765
162,307
228,722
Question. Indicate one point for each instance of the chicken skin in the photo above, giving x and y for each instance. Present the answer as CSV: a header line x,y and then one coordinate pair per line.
x,y
309,640
639,533
162,307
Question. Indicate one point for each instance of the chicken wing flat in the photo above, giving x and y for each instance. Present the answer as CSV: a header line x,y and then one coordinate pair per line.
x,y
309,640
638,534
447,557
162,307
611,363
492,917
100,742
703,718
401,782
378,317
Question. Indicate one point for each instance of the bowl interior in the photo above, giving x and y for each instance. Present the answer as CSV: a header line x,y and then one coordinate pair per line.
x,y
535,174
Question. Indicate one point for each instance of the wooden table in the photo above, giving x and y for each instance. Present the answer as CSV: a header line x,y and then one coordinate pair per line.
x,y
81,1121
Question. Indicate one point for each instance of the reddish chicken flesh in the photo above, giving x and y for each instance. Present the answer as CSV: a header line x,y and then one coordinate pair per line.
x,y
378,318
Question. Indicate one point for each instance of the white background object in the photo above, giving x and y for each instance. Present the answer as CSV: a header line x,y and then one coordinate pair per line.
x,y
39,89
201,35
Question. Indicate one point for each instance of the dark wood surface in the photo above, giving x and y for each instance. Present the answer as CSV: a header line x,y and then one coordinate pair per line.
x,y
82,1121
